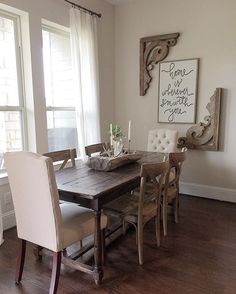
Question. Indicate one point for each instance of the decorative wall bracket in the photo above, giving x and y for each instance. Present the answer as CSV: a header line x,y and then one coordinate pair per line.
x,y
153,50
205,135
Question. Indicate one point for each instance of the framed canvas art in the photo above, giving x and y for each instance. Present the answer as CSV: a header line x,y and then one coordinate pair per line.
x,y
178,91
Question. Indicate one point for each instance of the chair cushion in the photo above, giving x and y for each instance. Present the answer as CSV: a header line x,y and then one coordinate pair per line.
x,y
149,211
122,205
78,222
126,206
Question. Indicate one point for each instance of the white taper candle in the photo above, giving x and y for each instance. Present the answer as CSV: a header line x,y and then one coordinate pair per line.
x,y
111,137
129,131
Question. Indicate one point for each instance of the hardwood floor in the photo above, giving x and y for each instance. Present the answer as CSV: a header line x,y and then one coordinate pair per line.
x,y
197,256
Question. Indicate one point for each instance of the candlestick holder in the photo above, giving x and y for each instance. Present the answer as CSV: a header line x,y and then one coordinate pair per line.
x,y
129,142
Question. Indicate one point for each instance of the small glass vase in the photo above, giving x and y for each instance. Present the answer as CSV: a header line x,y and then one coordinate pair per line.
x,y
118,147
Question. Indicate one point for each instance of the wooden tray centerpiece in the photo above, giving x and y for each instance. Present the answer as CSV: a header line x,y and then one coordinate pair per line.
x,y
109,163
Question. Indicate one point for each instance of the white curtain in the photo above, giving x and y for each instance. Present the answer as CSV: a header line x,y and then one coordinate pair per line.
x,y
1,225
85,65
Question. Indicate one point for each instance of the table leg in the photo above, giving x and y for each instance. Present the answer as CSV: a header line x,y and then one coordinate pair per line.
x,y
98,270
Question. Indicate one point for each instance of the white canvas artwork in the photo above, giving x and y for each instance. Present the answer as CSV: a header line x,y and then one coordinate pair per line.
x,y
178,91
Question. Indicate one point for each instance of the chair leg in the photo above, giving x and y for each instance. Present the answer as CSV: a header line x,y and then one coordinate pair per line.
x,y
176,210
164,217
37,254
140,244
55,272
158,229
21,248
124,227
103,232
64,252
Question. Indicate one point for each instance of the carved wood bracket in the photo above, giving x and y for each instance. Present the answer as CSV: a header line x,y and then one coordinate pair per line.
x,y
205,135
153,50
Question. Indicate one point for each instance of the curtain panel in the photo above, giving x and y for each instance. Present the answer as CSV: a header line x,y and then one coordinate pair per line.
x,y
86,79
1,225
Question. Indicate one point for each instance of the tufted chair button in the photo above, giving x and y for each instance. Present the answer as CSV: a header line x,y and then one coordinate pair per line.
x,y
162,140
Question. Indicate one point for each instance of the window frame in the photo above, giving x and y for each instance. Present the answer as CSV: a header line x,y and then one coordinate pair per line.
x,y
21,108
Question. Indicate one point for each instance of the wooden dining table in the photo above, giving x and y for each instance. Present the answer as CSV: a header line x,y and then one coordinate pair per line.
x,y
93,189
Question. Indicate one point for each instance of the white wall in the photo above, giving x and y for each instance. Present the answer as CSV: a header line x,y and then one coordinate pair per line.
x,y
57,11
208,31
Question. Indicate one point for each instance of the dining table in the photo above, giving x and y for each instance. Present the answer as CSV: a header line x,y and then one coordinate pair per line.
x,y
93,189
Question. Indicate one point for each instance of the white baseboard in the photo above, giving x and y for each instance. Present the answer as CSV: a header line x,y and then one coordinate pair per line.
x,y
9,220
211,192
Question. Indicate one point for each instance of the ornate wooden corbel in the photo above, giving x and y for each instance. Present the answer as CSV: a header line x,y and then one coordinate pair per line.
x,y
205,135
153,50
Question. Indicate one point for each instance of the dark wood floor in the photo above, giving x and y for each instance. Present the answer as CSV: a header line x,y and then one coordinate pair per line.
x,y
197,256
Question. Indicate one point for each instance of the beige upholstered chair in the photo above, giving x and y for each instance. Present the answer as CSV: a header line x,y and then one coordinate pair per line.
x,y
64,156
39,217
162,140
139,207
171,196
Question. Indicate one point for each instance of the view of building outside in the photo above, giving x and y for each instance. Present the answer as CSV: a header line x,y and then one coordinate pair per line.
x,y
10,113
60,100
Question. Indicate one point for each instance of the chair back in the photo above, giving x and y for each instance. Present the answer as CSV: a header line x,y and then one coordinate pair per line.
x,y
176,162
35,198
95,148
156,175
63,155
162,140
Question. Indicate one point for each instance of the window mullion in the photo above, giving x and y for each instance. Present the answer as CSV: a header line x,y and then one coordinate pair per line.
x,y
11,108
55,108
19,67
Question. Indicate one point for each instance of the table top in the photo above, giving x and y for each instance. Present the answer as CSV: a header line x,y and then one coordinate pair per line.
x,y
82,184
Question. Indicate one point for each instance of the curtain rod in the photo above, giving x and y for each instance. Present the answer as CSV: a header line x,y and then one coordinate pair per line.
x,y
83,8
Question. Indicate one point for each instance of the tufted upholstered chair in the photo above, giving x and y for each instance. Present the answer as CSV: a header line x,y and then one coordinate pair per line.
x,y
39,217
162,140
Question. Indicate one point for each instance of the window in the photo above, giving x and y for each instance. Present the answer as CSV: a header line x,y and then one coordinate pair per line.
x,y
60,101
12,112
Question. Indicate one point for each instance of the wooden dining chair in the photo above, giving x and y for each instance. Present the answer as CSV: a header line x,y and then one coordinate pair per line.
x,y
112,221
138,208
96,148
171,195
63,155
39,217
